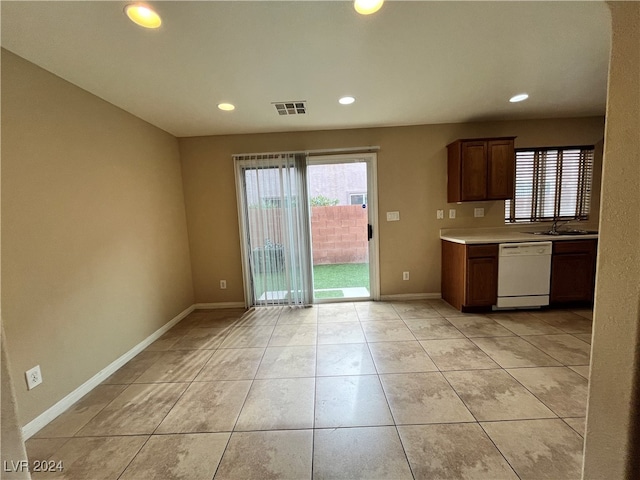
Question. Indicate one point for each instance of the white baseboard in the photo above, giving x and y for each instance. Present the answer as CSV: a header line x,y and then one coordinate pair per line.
x,y
51,413
213,306
400,297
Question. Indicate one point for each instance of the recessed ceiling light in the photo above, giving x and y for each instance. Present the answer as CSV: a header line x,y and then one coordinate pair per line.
x,y
367,7
227,107
519,98
142,15
347,100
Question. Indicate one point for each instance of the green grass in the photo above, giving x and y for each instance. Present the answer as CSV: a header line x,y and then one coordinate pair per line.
x,y
341,275
326,277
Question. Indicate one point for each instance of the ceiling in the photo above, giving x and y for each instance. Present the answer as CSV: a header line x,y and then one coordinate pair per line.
x,y
411,63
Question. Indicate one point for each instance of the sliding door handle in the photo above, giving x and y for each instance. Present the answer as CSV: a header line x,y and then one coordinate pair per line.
x,y
369,231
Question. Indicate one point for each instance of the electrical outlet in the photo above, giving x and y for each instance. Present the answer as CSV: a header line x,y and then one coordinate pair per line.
x,y
478,212
452,213
439,214
405,275
34,377
223,284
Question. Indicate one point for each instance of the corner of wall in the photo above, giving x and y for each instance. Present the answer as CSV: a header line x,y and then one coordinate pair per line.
x,y
13,450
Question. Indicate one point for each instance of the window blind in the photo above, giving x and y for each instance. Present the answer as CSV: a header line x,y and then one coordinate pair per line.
x,y
551,184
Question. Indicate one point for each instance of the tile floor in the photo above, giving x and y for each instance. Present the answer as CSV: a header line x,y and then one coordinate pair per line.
x,y
349,390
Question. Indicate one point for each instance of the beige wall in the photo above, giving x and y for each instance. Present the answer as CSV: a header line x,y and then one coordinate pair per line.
x,y
411,179
612,444
95,253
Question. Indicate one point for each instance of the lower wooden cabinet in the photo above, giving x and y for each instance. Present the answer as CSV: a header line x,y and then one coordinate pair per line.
x,y
573,270
482,282
469,275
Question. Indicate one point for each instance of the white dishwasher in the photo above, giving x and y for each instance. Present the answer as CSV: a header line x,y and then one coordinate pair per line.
x,y
524,274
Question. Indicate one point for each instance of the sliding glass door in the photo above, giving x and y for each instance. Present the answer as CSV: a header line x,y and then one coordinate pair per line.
x,y
307,225
342,225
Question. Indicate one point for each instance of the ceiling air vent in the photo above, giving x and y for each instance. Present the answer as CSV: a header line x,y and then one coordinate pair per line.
x,y
291,108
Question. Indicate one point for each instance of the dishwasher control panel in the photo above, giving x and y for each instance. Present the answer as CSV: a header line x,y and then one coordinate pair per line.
x,y
525,249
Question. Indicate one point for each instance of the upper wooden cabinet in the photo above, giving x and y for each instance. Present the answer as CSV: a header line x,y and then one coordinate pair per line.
x,y
481,169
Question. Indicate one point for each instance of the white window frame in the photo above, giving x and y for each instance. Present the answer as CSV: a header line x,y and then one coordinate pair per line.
x,y
363,195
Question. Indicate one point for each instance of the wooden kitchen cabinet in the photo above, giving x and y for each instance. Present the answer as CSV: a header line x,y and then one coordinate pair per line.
x,y
573,269
469,275
480,169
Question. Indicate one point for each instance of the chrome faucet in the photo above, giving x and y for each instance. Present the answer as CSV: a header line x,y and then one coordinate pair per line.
x,y
554,227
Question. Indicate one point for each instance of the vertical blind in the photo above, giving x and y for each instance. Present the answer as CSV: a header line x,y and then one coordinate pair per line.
x,y
275,223
551,184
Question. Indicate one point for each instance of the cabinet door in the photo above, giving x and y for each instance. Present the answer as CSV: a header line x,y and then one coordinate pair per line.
x,y
572,277
482,282
474,171
501,160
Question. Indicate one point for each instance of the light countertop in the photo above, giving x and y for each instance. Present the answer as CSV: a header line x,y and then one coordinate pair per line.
x,y
504,235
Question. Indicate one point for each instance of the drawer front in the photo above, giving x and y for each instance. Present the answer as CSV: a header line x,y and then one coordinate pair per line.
x,y
481,251
574,246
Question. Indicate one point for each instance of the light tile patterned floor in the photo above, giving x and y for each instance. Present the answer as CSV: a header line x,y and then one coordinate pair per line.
x,y
350,390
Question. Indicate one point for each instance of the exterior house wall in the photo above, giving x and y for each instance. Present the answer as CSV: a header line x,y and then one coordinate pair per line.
x,y
334,181
337,181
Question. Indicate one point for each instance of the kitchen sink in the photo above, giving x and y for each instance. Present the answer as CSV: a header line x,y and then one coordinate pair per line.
x,y
565,232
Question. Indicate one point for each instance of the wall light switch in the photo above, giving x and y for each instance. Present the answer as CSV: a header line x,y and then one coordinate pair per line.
x,y
452,213
478,212
393,216
439,214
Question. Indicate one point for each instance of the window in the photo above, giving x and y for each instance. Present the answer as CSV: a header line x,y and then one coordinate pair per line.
x,y
551,184
357,198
